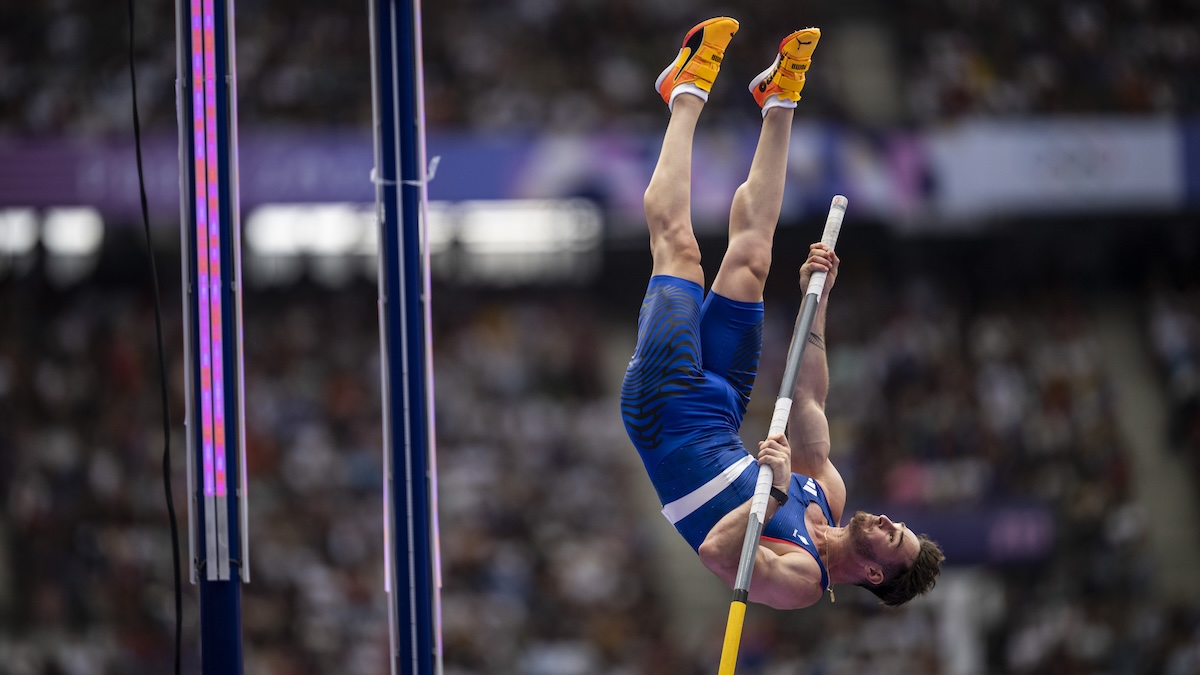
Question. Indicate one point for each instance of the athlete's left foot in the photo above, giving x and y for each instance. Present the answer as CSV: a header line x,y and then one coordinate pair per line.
x,y
779,85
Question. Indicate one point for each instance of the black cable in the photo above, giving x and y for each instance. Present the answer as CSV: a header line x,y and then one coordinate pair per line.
x,y
162,359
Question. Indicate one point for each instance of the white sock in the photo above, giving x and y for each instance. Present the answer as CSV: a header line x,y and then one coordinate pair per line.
x,y
688,88
774,101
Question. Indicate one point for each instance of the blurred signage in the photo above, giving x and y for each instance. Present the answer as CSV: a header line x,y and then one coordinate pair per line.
x,y
1191,163
1053,167
991,534
941,178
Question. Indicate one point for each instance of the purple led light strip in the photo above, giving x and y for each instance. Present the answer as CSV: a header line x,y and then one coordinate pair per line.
x,y
208,248
214,250
202,255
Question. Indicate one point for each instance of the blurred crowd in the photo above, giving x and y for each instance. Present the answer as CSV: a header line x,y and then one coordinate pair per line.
x,y
936,400
543,563
1174,329
545,554
952,400
992,58
87,547
537,65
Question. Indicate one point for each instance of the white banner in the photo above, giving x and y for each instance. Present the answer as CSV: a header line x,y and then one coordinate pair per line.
x,y
1055,167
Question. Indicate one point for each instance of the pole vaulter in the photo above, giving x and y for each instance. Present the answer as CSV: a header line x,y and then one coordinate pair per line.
x,y
773,517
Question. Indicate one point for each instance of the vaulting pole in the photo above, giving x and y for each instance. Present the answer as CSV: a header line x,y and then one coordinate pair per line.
x,y
783,408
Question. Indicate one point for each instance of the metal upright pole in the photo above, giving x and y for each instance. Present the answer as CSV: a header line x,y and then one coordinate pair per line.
x,y
404,330
211,234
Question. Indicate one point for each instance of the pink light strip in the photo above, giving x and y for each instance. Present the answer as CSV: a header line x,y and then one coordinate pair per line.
x,y
214,249
203,283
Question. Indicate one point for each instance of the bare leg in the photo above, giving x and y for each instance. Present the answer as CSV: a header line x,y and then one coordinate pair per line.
x,y
668,197
755,212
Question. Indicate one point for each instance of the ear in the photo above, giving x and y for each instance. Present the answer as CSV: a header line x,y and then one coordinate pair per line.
x,y
874,574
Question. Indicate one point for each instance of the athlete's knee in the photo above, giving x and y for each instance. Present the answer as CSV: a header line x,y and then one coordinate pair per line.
x,y
670,226
750,250
751,212
674,242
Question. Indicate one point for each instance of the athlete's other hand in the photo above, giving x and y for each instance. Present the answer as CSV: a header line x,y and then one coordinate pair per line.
x,y
777,454
820,259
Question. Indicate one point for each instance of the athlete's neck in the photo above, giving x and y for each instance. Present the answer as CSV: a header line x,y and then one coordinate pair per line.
x,y
835,553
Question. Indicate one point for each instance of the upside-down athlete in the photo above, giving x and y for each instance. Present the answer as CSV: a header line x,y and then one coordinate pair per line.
x,y
689,381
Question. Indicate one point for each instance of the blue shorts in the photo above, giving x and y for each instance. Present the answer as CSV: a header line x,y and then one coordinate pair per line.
x,y
685,394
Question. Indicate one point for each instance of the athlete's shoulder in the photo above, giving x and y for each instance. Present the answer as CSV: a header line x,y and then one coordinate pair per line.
x,y
834,488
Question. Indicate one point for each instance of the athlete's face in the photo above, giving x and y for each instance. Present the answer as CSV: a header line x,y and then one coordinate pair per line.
x,y
878,539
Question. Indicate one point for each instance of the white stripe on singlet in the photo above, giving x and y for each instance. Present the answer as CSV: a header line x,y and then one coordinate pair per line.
x,y
684,506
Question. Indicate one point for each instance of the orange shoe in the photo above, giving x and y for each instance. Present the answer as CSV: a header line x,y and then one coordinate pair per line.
x,y
780,84
696,67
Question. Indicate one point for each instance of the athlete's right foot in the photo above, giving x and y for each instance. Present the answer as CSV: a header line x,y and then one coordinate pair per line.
x,y
781,83
695,68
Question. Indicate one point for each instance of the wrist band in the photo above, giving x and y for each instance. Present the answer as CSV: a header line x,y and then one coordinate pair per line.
x,y
779,495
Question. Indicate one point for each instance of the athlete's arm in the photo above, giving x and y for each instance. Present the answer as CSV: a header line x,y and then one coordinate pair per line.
x,y
808,427
788,580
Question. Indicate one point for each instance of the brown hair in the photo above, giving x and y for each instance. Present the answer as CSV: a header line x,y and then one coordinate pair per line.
x,y
901,584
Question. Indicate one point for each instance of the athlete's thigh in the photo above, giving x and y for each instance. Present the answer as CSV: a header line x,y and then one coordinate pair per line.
x,y
665,369
731,339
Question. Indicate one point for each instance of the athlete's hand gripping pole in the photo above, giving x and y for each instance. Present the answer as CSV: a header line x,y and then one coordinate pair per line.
x,y
783,408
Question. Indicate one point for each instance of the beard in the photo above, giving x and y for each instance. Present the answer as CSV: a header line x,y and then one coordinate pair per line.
x,y
858,534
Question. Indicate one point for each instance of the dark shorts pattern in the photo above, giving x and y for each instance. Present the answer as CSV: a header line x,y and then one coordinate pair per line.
x,y
688,384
